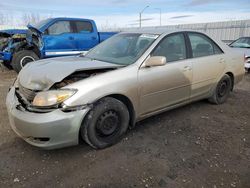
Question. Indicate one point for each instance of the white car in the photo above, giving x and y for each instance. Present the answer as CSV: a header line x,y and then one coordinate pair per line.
x,y
243,45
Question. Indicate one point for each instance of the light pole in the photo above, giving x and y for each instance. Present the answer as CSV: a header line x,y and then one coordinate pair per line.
x,y
141,14
160,14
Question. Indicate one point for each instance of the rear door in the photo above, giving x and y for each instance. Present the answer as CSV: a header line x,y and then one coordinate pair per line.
x,y
208,62
59,39
86,36
164,86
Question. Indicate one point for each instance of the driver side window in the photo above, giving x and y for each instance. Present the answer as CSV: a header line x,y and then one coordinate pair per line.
x,y
60,27
172,47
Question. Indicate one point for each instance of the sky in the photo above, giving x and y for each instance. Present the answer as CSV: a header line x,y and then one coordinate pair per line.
x,y
125,13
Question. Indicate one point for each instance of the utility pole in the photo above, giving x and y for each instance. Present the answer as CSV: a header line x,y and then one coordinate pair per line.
x,y
160,14
141,14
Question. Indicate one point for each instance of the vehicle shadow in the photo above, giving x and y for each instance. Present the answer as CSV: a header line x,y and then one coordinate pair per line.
x,y
142,126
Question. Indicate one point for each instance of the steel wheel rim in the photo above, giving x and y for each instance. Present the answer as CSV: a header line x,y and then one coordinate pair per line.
x,y
25,60
107,124
223,89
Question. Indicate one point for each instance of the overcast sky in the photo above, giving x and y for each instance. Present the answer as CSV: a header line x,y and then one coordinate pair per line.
x,y
125,13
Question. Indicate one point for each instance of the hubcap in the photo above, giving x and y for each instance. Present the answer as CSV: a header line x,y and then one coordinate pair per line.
x,y
107,123
25,60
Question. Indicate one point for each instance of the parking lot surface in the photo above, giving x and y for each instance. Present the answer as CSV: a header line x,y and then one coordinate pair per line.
x,y
198,145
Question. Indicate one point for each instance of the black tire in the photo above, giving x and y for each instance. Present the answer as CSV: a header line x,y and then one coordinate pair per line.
x,y
21,58
222,90
105,124
7,65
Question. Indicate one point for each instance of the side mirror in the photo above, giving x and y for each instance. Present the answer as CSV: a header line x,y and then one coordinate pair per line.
x,y
156,61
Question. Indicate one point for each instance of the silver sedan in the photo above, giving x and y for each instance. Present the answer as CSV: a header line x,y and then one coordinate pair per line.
x,y
131,76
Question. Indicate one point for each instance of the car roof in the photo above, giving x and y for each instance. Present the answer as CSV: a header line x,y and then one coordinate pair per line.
x,y
70,19
158,31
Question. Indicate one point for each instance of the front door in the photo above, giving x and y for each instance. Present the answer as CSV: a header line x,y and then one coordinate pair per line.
x,y
59,39
166,85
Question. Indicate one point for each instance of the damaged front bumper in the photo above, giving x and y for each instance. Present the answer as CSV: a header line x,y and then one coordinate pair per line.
x,y
49,130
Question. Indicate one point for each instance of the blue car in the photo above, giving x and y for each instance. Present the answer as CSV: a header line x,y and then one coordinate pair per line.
x,y
52,37
9,32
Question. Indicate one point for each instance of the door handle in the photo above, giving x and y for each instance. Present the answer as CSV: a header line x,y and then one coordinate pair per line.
x,y
222,60
71,38
187,68
93,38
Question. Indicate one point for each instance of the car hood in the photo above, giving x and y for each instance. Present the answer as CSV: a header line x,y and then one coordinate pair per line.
x,y
34,29
245,51
43,74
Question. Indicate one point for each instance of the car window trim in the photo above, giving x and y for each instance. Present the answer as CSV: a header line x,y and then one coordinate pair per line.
x,y
75,27
213,42
168,35
71,28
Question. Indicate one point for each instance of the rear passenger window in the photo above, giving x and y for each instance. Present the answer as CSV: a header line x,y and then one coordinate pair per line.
x,y
172,47
202,45
59,28
82,27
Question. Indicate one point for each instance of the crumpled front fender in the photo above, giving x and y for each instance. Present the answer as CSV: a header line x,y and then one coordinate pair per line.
x,y
5,56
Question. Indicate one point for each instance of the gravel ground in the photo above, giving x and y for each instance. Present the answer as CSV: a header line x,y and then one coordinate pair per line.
x,y
198,145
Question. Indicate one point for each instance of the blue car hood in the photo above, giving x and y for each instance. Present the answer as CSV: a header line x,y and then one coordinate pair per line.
x,y
32,28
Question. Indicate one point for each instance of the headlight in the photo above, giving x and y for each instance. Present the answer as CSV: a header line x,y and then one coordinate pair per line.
x,y
51,98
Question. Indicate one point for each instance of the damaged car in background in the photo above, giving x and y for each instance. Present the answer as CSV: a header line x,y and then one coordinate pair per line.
x,y
8,38
52,37
243,45
133,75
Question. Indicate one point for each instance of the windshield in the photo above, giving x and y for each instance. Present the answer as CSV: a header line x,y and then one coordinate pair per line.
x,y
122,49
40,24
241,43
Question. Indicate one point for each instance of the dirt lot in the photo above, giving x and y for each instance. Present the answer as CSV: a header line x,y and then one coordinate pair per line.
x,y
199,145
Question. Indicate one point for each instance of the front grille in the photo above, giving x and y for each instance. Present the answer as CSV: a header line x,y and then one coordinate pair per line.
x,y
27,93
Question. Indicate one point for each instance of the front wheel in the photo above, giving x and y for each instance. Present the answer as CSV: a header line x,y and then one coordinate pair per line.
x,y
106,123
22,58
222,90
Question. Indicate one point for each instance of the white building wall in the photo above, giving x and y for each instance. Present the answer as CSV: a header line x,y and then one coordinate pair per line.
x,y
225,31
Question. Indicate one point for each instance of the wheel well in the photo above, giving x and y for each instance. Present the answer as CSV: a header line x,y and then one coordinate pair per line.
x,y
30,48
35,50
129,105
125,100
232,78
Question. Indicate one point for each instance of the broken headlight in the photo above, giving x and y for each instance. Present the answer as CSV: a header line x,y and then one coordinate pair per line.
x,y
52,97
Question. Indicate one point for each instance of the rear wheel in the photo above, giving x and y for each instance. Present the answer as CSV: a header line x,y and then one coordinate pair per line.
x,y
106,123
22,58
222,90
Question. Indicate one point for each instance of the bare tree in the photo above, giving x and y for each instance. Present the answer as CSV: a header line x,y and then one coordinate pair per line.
x,y
30,18
5,18
33,18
